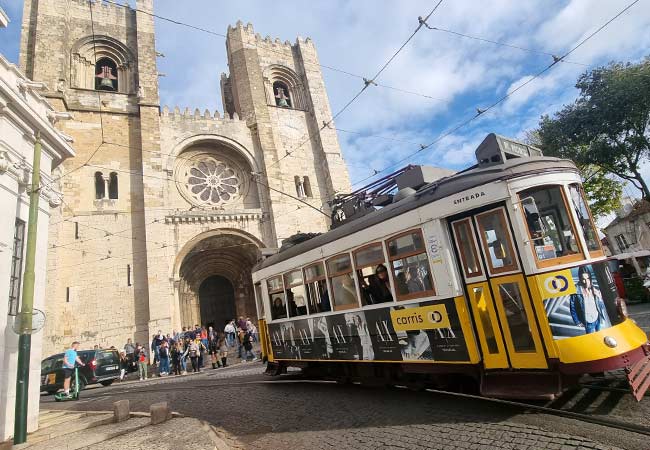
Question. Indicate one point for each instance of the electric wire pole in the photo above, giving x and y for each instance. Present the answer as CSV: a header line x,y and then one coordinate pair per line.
x,y
27,304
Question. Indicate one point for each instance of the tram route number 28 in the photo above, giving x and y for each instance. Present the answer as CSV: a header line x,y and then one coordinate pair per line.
x,y
420,318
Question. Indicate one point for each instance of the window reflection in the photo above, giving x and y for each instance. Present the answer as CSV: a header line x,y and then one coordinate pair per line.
x,y
344,293
372,275
296,296
316,289
496,241
410,266
584,217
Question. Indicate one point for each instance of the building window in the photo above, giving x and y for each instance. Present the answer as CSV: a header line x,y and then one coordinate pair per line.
x,y
128,274
16,276
106,75
67,294
622,242
76,230
281,94
112,186
100,188
303,187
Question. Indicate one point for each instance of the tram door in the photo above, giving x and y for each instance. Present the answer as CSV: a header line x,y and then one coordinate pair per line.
x,y
501,305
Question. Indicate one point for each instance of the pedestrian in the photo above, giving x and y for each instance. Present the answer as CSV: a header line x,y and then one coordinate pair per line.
x,y
124,364
204,337
142,363
252,329
241,323
176,355
223,349
155,346
229,330
163,354
248,347
240,342
214,353
70,358
194,350
129,348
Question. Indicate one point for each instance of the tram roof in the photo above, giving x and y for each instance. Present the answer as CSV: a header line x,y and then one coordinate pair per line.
x,y
470,178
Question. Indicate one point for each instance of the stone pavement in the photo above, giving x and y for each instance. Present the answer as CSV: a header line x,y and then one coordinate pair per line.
x,y
640,312
69,430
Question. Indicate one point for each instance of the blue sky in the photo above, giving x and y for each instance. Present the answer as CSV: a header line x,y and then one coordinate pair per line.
x,y
461,74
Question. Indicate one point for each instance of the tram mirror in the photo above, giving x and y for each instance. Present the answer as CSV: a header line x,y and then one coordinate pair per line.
x,y
533,220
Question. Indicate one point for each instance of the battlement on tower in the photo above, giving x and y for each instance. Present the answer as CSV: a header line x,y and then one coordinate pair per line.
x,y
188,115
255,39
108,10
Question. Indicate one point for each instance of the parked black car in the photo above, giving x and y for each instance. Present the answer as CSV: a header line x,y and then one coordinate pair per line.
x,y
101,366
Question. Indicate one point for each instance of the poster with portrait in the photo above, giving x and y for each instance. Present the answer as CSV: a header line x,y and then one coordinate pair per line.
x,y
382,335
580,300
322,346
283,340
304,337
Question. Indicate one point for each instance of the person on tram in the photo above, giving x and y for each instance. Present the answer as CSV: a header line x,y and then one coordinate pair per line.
x,y
379,285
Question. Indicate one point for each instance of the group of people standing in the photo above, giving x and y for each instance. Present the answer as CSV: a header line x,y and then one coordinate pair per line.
x,y
180,352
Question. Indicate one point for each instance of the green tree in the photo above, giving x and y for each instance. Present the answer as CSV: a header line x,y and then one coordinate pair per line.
x,y
606,130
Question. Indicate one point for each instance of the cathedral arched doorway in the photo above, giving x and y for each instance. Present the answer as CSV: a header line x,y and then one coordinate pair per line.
x,y
216,301
214,274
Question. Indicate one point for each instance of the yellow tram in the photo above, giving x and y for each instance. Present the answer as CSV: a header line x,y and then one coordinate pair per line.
x,y
494,275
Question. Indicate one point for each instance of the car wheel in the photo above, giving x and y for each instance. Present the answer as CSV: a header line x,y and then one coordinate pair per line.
x,y
107,382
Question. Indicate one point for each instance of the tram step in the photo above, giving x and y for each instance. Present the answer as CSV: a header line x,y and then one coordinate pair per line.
x,y
521,385
639,377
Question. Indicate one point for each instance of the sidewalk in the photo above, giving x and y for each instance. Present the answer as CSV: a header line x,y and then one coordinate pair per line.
x,y
98,430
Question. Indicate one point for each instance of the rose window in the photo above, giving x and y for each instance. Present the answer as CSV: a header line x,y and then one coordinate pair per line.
x,y
213,181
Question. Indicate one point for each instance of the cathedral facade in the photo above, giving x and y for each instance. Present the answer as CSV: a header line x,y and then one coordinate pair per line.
x,y
166,210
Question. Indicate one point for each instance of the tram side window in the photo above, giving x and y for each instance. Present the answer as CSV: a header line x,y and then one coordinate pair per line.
x,y
467,247
497,245
584,217
549,224
295,290
316,285
410,265
372,275
259,300
344,292
278,300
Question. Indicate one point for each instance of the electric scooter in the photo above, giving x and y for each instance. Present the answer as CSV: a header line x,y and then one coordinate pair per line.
x,y
74,395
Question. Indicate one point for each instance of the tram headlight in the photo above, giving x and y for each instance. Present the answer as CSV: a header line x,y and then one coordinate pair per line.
x,y
621,306
610,341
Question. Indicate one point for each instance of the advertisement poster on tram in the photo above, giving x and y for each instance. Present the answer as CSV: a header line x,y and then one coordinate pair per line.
x,y
428,331
587,300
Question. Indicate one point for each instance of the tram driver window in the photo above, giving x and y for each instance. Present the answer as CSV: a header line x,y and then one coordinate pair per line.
x,y
584,217
372,275
316,285
295,290
549,224
278,301
410,265
344,291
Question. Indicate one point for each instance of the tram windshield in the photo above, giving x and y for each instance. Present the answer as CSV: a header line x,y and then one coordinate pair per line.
x,y
549,223
584,217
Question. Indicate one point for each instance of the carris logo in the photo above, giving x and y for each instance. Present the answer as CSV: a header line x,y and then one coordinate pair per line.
x,y
469,197
556,284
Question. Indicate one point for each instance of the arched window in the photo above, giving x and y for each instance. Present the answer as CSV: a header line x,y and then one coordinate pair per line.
x,y
112,185
100,190
282,94
307,186
106,75
300,187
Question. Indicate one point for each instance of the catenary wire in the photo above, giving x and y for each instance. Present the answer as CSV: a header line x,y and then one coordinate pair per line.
x,y
480,112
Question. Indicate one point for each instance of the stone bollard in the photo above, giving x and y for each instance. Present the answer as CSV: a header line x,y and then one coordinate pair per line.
x,y
160,412
121,411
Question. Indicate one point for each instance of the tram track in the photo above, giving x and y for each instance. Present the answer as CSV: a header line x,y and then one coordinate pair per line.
x,y
526,407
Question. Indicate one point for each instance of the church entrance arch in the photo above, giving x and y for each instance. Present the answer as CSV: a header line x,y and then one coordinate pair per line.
x,y
216,301
214,273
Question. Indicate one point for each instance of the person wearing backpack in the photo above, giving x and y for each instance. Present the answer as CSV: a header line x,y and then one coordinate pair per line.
x,y
194,351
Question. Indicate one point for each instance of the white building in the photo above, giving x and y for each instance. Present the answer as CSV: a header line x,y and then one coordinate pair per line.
x,y
23,114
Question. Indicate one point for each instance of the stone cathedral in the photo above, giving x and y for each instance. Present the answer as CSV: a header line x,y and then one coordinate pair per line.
x,y
165,210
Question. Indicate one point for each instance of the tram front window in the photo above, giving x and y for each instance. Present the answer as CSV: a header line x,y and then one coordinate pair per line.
x,y
549,223
584,217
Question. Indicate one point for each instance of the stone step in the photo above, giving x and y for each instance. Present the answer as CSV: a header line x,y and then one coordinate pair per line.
x,y
46,422
89,437
71,423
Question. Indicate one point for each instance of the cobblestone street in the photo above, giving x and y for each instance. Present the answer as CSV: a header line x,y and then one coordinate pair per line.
x,y
270,413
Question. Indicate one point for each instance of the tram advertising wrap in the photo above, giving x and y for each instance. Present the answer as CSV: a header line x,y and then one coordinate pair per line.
x,y
587,300
427,331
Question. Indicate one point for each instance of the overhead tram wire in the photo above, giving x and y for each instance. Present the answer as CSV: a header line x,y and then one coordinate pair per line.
x,y
366,83
480,112
325,66
503,44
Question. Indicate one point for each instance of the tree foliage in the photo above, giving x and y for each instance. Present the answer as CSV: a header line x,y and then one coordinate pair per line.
x,y
606,131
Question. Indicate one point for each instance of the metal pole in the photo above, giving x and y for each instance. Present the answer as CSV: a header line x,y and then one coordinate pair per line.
x,y
27,304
